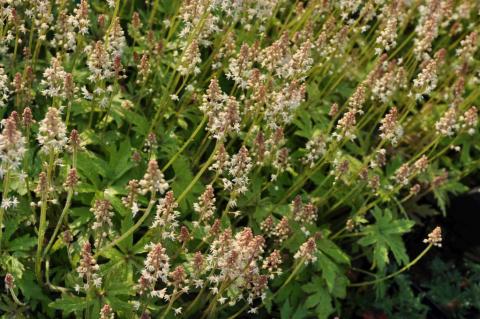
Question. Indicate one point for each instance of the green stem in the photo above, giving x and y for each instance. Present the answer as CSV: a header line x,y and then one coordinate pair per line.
x,y
6,180
201,149
88,310
60,221
184,146
210,311
194,302
406,267
41,235
199,174
293,274
67,119
170,304
238,313
43,218
152,14
15,299
130,230
47,279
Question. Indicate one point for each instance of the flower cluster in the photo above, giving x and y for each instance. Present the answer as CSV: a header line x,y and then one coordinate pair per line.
x,y
222,111
390,128
205,207
102,210
236,259
224,154
239,167
153,181
52,133
157,267
435,237
307,251
88,268
12,145
167,215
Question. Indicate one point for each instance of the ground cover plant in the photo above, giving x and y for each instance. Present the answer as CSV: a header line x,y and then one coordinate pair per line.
x,y
229,158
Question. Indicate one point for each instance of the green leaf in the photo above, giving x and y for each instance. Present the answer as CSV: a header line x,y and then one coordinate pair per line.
x,y
80,216
183,177
321,299
386,235
333,251
465,153
324,308
312,286
140,123
329,269
30,289
70,304
286,311
119,159
23,243
118,304
12,265
340,287
312,301
300,313
92,167
420,212
441,193
119,288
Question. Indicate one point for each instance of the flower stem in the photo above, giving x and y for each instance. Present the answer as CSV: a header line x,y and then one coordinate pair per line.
x,y
195,301
15,299
60,221
293,274
2,209
130,230
406,267
43,218
238,313
170,305
41,235
184,146
199,174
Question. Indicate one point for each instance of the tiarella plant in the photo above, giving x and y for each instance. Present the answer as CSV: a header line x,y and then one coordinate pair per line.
x,y
223,158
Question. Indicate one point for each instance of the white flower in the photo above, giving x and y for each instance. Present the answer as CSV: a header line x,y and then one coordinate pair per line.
x,y
22,176
77,288
198,283
4,90
97,281
54,79
52,134
135,209
14,201
253,310
6,203
136,305
12,145
86,94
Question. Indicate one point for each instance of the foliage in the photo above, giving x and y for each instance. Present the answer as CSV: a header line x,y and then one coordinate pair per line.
x,y
455,291
399,300
449,290
222,159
